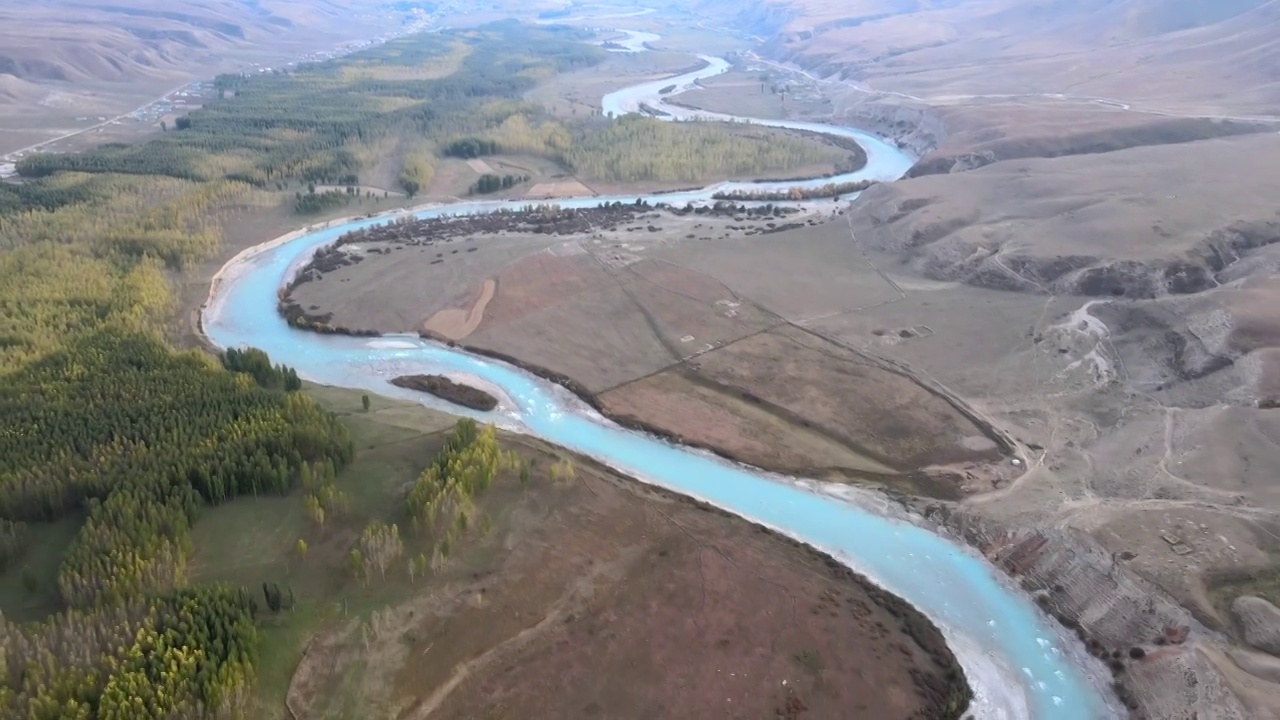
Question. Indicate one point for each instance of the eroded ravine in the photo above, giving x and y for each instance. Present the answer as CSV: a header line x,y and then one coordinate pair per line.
x,y
1018,662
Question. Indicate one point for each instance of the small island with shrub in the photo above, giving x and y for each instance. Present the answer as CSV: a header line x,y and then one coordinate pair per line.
x,y
443,387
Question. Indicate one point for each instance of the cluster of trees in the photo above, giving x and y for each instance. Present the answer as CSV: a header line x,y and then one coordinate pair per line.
x,y
314,203
276,598
103,260
518,134
416,172
829,190
189,653
490,183
257,365
139,438
441,503
376,549
321,498
116,407
635,148
471,147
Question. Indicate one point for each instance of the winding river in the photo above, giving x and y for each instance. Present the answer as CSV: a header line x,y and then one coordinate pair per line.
x,y
1019,663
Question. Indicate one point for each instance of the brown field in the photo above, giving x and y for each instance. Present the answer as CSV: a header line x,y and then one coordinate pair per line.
x,y
612,341
708,416
558,189
602,598
887,415
678,331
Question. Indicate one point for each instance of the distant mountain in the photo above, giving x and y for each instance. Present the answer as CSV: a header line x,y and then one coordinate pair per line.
x,y
1213,54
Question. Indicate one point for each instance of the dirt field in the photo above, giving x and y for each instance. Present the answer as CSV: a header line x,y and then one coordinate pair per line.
x,y
599,598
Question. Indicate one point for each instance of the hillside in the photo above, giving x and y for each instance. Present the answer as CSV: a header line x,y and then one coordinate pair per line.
x,y
1213,57
131,40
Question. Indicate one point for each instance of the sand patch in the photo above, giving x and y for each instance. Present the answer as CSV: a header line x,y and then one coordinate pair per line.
x,y
457,323
480,166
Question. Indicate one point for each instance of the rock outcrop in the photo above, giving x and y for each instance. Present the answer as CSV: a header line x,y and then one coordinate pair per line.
x,y
1259,622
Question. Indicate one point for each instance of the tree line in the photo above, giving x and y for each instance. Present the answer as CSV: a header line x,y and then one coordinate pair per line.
x,y
490,183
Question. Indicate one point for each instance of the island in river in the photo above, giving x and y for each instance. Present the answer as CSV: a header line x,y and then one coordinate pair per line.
x,y
447,389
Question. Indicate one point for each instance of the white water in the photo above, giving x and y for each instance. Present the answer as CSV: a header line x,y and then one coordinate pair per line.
x,y
1019,664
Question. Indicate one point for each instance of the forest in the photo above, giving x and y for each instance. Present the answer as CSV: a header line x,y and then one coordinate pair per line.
x,y
103,421
634,148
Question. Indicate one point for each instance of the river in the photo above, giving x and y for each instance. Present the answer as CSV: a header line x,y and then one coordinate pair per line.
x,y
1019,663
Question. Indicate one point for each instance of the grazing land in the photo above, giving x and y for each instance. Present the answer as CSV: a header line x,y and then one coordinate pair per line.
x,y
754,94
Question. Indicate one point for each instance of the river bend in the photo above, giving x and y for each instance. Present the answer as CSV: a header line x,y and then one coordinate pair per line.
x,y
1018,662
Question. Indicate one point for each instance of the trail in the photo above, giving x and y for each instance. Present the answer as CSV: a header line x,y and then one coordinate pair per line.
x,y
14,155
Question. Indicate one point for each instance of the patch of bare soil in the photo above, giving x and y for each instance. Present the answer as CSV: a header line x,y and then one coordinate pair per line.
x,y
558,189
458,323
600,597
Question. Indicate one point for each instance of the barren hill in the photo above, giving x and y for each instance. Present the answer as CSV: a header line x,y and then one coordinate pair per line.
x,y
123,40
